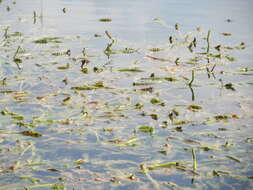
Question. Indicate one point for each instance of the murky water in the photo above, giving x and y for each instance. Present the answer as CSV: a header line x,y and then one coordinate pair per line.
x,y
142,99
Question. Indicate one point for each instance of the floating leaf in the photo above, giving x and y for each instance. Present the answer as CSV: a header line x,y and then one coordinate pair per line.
x,y
154,116
97,85
191,141
155,101
115,180
67,52
17,60
206,148
221,117
170,184
230,86
230,58
233,158
164,152
165,165
150,89
31,179
17,117
181,122
130,70
139,106
14,116
226,34
31,133
178,129
53,170
97,35
48,40
170,79
144,83
110,130
22,123
146,129
80,161
129,50
65,100
105,20
156,49
218,172
58,187
177,26
158,59
63,67
115,141
131,142
194,107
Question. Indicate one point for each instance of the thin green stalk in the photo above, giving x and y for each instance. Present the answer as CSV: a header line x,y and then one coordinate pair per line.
x,y
194,167
14,56
109,36
34,17
193,77
213,68
193,95
208,41
6,32
15,59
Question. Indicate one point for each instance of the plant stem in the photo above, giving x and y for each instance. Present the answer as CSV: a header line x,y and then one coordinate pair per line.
x,y
208,41
190,83
194,160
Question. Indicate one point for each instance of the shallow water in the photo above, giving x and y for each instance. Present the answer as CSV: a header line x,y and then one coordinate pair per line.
x,y
111,122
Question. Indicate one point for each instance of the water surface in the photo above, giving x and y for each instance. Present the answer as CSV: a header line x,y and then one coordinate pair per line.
x,y
87,104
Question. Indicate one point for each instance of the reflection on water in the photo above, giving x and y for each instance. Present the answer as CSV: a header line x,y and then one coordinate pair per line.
x,y
110,104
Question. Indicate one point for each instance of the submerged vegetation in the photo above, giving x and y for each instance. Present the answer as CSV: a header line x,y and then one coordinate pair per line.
x,y
78,112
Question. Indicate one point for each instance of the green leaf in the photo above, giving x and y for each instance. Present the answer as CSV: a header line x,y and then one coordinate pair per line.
x,y
97,85
48,40
194,107
155,101
233,158
80,161
105,20
146,129
165,165
156,49
180,122
230,86
130,70
12,114
31,134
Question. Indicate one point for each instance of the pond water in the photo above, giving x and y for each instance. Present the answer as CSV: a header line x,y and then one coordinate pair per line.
x,y
126,94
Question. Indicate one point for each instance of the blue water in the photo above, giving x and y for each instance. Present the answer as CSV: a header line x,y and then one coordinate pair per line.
x,y
133,25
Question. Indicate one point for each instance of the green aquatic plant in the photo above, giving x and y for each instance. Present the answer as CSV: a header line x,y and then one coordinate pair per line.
x,y
16,59
208,41
146,129
194,166
31,133
105,20
13,115
130,70
102,105
193,77
46,40
97,85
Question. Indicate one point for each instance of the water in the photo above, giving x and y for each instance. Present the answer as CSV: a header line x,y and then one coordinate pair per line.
x,y
105,125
